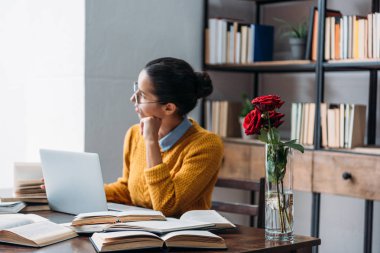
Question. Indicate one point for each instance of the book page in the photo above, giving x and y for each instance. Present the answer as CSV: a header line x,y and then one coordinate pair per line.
x,y
169,225
125,234
97,214
120,214
210,216
194,239
15,220
43,232
199,233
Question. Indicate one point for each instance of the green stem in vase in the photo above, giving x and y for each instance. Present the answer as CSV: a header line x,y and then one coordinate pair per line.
x,y
282,220
284,205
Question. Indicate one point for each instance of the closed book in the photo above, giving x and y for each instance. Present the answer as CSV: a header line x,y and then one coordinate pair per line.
x,y
262,42
11,207
314,40
357,126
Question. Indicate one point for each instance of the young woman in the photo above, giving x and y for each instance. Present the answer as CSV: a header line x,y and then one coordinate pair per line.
x,y
170,162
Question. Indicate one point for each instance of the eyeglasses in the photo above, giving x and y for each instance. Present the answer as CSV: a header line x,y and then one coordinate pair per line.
x,y
137,95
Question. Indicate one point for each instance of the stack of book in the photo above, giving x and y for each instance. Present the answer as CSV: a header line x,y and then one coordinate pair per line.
x,y
222,118
27,182
187,232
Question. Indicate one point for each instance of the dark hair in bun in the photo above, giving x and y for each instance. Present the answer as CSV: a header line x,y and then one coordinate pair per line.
x,y
175,81
204,84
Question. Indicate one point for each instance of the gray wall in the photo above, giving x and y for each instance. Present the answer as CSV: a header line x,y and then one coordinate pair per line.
x,y
121,36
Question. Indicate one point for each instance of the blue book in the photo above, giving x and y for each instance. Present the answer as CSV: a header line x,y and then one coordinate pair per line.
x,y
262,42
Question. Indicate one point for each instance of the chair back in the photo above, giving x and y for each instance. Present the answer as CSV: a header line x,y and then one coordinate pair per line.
x,y
253,209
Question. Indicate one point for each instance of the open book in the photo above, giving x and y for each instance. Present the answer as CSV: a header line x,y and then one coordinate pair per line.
x,y
210,216
196,219
131,240
31,230
116,217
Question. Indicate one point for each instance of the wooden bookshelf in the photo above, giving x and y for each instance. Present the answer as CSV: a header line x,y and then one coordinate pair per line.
x,y
352,65
266,67
321,168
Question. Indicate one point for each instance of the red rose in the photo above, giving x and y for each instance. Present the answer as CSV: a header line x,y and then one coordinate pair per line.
x,y
252,122
275,119
267,103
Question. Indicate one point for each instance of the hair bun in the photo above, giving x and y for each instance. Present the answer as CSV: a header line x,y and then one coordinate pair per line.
x,y
204,84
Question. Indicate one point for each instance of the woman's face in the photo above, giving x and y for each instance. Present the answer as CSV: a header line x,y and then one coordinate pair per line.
x,y
146,103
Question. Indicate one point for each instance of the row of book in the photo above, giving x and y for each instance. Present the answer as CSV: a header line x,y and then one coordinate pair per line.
x,y
127,230
342,125
234,42
222,118
352,37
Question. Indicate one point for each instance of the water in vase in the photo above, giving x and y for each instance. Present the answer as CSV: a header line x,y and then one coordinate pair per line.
x,y
279,216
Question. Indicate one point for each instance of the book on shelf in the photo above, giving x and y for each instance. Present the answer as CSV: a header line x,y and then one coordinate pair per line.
x,y
114,217
132,240
262,42
234,42
343,125
11,207
32,230
314,32
352,37
221,117
303,120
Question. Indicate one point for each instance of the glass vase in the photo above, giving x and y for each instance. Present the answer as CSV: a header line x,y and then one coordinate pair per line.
x,y
279,209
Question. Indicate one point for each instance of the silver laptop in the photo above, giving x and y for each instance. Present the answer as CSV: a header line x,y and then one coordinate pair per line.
x,y
73,181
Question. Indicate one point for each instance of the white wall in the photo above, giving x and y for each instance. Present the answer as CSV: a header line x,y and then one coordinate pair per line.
x,y
121,37
41,79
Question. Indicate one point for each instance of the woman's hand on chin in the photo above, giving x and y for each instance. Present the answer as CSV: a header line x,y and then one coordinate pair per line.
x,y
149,127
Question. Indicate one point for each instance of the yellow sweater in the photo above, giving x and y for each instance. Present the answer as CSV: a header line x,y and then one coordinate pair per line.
x,y
184,181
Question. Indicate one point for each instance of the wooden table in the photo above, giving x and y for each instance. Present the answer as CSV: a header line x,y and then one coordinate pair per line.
x,y
245,239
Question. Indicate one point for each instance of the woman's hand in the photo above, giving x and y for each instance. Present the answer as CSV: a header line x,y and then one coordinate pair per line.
x,y
149,127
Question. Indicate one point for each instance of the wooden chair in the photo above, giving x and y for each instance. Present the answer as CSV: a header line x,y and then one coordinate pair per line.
x,y
241,208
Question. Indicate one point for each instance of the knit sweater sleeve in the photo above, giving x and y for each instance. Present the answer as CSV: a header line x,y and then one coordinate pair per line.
x,y
172,194
118,191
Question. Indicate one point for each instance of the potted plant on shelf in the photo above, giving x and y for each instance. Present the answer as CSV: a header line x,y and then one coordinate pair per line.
x,y
297,37
246,108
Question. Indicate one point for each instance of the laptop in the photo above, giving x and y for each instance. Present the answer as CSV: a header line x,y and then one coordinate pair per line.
x,y
73,181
